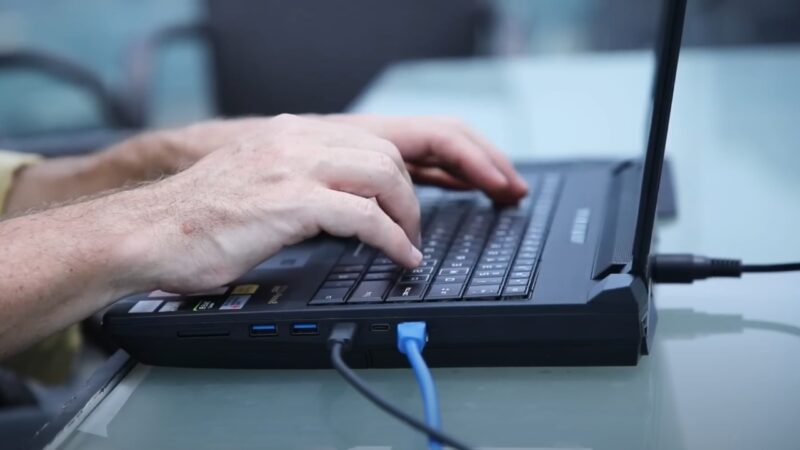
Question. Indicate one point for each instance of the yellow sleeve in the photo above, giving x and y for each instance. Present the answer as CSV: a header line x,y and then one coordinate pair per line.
x,y
10,162
51,360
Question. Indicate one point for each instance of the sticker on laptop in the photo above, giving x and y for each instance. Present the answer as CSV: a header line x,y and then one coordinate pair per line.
x,y
204,305
235,302
218,291
170,307
144,306
245,289
160,293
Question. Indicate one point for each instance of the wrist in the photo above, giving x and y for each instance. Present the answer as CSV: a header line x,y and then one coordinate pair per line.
x,y
124,223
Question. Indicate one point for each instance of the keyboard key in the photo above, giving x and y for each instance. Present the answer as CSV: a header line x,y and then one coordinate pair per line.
x,y
495,266
456,265
482,281
482,291
414,278
517,282
382,268
466,258
495,259
445,291
342,276
522,267
489,273
370,291
338,284
450,278
522,274
406,292
348,268
419,271
357,253
329,296
514,291
454,272
380,276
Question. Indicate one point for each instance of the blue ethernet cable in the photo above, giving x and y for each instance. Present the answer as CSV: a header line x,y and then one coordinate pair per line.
x,y
341,339
411,339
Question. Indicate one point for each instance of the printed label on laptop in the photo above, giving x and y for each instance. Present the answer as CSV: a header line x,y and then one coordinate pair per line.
x,y
145,306
235,302
245,289
204,305
171,307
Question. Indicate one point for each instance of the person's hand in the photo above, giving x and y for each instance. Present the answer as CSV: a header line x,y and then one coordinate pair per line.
x,y
445,151
437,150
287,181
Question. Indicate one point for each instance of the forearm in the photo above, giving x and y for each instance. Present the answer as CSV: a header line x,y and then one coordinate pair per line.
x,y
61,265
57,180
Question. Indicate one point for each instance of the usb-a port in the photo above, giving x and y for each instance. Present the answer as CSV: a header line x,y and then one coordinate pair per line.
x,y
305,329
266,329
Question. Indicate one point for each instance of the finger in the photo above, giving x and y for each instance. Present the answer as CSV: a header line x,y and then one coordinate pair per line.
x,y
336,134
436,176
518,185
371,174
464,159
342,214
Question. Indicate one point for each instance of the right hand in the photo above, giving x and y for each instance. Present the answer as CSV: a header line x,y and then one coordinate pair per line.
x,y
286,182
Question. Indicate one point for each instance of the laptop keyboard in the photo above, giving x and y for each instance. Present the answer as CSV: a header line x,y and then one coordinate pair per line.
x,y
471,251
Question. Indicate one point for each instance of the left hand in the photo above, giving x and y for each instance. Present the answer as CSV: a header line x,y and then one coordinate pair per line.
x,y
437,150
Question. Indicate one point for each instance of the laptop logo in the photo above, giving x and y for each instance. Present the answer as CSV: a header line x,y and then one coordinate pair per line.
x,y
580,225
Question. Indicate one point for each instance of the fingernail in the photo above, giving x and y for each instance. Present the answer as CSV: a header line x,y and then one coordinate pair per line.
x,y
416,256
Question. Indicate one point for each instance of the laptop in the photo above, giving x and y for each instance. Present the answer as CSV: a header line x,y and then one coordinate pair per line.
x,y
559,279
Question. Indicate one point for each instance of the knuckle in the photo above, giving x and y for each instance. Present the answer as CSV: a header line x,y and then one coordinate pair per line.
x,y
386,146
385,166
446,139
367,209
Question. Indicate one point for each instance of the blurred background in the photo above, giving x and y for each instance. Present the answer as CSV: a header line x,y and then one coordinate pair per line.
x,y
76,75
100,65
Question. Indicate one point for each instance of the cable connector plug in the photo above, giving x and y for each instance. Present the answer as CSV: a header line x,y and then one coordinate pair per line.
x,y
411,331
342,333
686,268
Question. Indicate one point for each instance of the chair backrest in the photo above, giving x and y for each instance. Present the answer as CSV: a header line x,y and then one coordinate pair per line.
x,y
296,56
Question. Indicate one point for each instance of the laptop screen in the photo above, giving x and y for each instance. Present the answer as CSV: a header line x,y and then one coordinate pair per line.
x,y
667,50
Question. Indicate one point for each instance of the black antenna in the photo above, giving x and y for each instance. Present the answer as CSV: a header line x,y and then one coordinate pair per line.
x,y
666,66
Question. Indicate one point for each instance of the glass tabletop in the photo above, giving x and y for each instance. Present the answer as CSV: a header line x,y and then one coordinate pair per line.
x,y
724,370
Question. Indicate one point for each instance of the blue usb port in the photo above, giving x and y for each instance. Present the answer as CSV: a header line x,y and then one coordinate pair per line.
x,y
305,329
267,329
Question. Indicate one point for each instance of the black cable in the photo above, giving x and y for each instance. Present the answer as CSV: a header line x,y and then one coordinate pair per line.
x,y
341,337
686,268
761,268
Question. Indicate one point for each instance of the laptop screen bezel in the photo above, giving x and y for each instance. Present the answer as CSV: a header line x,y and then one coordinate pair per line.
x,y
668,50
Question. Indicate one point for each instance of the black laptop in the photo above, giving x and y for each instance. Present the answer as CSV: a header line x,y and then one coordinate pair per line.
x,y
559,279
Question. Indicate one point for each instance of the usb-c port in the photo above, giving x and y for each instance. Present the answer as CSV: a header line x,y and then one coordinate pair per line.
x,y
305,329
379,327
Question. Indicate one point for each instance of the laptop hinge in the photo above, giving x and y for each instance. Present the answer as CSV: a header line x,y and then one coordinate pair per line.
x,y
616,247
